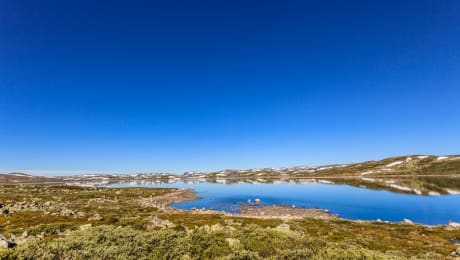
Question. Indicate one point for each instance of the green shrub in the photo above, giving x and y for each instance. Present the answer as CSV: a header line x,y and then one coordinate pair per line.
x,y
51,229
267,241
242,255
209,245
104,242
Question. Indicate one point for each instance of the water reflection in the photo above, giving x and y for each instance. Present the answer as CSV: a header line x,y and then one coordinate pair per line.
x,y
349,198
430,186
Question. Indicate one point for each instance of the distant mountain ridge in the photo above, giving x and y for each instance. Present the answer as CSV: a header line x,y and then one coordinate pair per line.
x,y
22,178
410,165
399,165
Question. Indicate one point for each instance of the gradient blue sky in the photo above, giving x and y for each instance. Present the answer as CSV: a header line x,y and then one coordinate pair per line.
x,y
129,86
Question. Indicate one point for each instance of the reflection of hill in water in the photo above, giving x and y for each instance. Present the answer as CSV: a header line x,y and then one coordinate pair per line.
x,y
408,185
400,174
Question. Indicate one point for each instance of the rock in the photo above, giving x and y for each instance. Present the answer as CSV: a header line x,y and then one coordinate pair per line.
x,y
67,212
205,228
283,226
233,243
158,222
96,217
257,200
457,251
217,227
168,224
5,243
85,227
407,221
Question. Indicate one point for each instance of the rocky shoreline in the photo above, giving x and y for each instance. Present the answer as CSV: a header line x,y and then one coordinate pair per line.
x,y
283,212
163,202
250,210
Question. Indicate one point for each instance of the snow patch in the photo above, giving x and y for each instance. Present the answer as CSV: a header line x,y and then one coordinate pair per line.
x,y
387,170
395,186
20,175
394,164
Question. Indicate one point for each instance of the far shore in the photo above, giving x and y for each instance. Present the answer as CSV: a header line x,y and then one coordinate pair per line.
x,y
39,180
284,212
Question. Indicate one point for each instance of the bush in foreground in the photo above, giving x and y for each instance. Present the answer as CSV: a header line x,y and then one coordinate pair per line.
x,y
108,242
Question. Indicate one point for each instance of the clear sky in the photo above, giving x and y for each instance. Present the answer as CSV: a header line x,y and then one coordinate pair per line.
x,y
129,86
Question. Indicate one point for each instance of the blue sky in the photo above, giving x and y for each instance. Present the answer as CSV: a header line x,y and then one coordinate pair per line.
x,y
129,86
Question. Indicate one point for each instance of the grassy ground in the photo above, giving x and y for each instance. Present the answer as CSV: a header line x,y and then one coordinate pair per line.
x,y
98,223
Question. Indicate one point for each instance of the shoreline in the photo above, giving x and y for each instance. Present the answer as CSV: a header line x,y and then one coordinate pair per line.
x,y
283,212
81,180
277,211
164,202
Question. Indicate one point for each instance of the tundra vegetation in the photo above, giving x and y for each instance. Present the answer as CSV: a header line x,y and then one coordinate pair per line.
x,y
68,222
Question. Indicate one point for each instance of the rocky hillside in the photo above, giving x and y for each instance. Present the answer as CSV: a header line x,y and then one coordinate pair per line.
x,y
21,178
406,166
88,179
401,165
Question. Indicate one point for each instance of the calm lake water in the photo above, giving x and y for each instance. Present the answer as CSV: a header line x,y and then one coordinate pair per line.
x,y
348,201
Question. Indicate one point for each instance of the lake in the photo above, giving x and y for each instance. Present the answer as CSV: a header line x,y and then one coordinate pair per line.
x,y
349,202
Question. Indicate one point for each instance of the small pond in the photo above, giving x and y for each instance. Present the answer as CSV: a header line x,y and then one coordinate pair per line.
x,y
347,201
